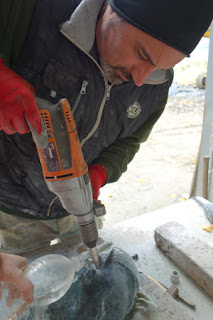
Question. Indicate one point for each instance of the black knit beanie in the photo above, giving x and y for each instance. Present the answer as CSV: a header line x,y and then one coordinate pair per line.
x,y
178,23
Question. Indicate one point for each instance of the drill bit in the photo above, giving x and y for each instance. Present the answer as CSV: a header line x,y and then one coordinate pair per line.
x,y
94,256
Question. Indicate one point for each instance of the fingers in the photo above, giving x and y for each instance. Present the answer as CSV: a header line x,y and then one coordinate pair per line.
x,y
32,114
20,125
22,308
16,122
25,286
17,101
7,127
13,294
27,109
11,271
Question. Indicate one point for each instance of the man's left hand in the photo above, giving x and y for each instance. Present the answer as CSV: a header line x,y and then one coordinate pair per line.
x,y
98,177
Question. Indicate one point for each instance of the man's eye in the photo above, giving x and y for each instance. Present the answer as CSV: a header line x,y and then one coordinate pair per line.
x,y
140,56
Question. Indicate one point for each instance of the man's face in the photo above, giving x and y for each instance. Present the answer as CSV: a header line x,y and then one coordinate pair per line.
x,y
126,53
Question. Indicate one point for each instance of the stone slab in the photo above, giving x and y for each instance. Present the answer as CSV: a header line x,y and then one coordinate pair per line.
x,y
168,307
136,236
191,254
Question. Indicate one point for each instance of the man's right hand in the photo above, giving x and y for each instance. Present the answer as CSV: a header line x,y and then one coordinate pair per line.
x,y
16,103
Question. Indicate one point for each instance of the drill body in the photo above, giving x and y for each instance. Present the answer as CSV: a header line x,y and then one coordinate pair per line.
x,y
65,170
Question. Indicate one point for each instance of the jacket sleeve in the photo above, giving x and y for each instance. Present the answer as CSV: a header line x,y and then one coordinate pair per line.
x,y
118,155
15,18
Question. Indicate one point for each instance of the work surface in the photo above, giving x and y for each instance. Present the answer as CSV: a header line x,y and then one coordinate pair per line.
x,y
136,236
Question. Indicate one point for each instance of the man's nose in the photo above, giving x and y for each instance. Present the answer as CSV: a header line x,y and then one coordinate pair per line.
x,y
141,71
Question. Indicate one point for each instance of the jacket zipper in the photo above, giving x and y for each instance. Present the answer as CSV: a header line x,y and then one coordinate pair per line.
x,y
83,141
109,87
81,93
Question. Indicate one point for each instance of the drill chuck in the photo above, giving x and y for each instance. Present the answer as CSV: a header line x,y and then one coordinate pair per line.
x,y
89,234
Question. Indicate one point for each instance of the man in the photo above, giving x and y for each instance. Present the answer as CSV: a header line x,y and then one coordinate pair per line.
x,y
113,62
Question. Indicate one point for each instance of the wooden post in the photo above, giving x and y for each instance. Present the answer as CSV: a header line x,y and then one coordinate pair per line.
x,y
205,177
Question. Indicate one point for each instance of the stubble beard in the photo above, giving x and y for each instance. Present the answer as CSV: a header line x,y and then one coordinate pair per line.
x,y
110,71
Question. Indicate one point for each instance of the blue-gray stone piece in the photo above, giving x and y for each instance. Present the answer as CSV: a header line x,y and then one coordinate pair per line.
x,y
107,293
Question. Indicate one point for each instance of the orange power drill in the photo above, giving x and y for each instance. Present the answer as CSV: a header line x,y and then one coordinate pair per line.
x,y
65,171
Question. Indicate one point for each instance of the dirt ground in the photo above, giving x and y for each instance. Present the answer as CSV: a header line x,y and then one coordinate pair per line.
x,y
162,171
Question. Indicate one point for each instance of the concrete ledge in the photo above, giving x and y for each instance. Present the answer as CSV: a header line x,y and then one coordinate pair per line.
x,y
194,256
168,307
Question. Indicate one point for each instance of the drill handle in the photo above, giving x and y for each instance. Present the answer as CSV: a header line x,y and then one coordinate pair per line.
x,y
41,140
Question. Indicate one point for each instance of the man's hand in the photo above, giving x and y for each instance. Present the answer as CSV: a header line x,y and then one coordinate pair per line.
x,y
16,103
11,271
98,177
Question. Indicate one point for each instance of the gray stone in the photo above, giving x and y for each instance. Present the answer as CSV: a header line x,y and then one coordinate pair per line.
x,y
188,252
169,308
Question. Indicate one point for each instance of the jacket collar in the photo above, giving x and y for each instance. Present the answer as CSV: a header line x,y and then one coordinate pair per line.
x,y
81,27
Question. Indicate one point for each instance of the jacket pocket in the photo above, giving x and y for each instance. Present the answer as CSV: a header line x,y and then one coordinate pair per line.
x,y
62,81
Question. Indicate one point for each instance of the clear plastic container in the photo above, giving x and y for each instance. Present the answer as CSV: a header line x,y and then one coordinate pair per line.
x,y
52,275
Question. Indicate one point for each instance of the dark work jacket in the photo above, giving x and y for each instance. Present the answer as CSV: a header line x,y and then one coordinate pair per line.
x,y
59,59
